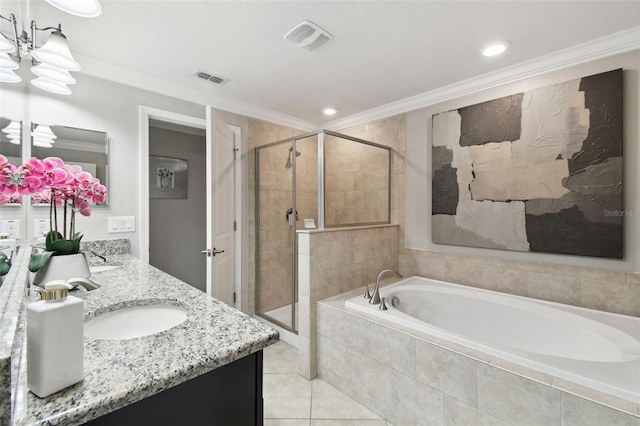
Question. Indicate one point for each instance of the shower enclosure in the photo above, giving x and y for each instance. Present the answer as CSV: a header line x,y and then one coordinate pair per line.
x,y
323,180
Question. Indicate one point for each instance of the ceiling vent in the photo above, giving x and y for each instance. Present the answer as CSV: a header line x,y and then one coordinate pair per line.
x,y
209,77
308,35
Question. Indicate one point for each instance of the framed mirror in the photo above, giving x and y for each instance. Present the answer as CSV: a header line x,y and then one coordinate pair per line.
x,y
11,148
88,149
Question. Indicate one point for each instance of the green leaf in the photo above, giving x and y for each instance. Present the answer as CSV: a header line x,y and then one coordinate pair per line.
x,y
64,246
78,236
38,260
52,236
4,264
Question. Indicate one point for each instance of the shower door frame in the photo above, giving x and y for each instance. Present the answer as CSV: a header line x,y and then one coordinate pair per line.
x,y
321,209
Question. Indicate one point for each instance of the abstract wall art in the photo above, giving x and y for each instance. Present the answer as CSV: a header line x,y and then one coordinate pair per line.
x,y
537,171
168,177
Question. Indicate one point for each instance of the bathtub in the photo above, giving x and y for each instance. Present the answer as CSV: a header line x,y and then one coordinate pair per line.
x,y
596,349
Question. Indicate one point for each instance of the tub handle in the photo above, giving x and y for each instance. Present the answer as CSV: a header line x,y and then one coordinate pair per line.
x,y
383,305
367,295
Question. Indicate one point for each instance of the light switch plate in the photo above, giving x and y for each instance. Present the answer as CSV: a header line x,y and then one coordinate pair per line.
x,y
119,224
11,227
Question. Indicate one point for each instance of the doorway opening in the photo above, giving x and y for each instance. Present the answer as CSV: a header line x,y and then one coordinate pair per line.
x,y
177,201
222,186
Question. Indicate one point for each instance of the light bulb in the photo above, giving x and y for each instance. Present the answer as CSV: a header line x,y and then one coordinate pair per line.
x,y
84,8
51,86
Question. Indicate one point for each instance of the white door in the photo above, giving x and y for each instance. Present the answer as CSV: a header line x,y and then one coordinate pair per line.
x,y
220,240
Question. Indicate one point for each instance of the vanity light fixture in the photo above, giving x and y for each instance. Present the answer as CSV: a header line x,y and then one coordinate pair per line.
x,y
84,8
329,111
51,62
43,131
13,132
495,48
42,144
13,128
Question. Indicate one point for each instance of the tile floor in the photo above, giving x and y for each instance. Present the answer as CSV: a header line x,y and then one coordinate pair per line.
x,y
290,400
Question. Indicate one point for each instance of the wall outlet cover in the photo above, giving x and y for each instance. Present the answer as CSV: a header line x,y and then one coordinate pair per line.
x,y
11,227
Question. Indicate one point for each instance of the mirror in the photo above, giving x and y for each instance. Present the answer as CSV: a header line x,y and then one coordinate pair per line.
x,y
85,148
11,147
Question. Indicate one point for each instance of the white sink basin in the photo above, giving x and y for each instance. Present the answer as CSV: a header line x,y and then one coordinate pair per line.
x,y
101,268
138,321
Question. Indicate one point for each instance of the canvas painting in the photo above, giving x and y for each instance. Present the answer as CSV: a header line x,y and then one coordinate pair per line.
x,y
168,177
537,171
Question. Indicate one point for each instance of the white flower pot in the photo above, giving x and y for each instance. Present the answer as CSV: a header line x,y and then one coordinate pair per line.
x,y
63,268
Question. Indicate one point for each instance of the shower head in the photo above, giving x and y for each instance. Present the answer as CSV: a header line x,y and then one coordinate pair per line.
x,y
298,154
288,164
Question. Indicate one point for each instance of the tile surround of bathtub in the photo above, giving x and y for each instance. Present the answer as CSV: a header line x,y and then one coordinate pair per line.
x,y
331,263
447,384
605,290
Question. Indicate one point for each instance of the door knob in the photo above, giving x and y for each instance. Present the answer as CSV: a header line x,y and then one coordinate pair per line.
x,y
210,252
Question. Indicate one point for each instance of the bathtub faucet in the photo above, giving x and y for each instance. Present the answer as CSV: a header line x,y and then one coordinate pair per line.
x,y
375,297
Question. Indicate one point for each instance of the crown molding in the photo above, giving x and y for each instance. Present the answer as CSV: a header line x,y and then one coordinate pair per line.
x,y
613,44
118,74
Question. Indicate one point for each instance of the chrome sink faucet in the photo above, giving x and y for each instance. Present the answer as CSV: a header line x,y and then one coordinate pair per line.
x,y
88,284
375,297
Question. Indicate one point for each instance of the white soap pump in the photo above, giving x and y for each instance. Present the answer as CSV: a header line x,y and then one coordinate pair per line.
x,y
55,340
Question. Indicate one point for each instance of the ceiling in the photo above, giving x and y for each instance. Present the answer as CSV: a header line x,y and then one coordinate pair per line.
x,y
382,51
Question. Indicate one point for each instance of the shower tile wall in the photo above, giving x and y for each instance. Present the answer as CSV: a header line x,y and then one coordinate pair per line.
x,y
274,262
356,183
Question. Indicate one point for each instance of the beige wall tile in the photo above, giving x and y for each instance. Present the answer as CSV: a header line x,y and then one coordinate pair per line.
x,y
610,296
393,414
497,278
393,349
580,412
419,402
516,400
430,268
369,374
329,403
348,330
463,273
457,413
602,275
556,288
341,383
450,373
332,356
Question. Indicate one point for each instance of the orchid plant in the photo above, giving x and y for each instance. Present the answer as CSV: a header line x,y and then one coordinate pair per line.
x,y
60,185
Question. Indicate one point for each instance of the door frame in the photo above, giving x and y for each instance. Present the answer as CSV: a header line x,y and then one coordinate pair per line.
x,y
145,115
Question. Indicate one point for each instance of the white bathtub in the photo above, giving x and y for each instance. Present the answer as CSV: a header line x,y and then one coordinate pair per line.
x,y
593,348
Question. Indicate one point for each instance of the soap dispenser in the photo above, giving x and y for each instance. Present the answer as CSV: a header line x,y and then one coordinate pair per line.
x,y
55,334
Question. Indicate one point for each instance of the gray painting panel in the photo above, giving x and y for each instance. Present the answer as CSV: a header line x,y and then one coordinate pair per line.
x,y
445,191
442,157
493,121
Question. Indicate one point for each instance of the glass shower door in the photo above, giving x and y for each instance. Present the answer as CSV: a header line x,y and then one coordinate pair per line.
x,y
275,248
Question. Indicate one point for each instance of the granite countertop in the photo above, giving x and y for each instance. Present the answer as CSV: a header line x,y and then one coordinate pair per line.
x,y
119,373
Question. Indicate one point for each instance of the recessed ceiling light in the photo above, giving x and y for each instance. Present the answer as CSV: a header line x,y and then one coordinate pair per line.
x,y
329,111
495,48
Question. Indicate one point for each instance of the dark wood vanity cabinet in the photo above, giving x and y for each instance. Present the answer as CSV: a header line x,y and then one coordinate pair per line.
x,y
227,396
